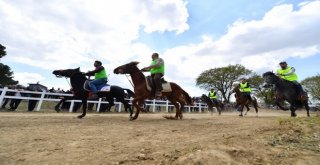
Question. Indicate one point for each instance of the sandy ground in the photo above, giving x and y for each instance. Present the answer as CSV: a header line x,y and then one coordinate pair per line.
x,y
61,138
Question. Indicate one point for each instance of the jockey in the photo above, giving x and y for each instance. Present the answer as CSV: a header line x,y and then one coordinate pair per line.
x,y
100,77
288,73
213,96
157,71
244,87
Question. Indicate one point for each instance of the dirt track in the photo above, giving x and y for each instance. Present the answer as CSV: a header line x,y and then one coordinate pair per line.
x,y
51,138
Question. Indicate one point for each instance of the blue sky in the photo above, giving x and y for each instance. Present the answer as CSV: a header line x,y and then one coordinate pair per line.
x,y
191,36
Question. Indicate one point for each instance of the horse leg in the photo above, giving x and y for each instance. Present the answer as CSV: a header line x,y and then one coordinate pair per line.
x,y
293,111
255,104
248,109
135,102
241,110
219,107
178,111
307,108
84,108
57,107
126,105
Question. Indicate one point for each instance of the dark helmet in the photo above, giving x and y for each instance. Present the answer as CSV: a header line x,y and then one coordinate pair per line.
x,y
283,63
98,62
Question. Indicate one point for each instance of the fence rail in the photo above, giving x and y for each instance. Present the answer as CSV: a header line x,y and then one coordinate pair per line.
x,y
43,94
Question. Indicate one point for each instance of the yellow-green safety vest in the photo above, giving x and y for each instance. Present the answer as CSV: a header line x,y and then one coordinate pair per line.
x,y
212,95
159,69
292,77
244,87
101,74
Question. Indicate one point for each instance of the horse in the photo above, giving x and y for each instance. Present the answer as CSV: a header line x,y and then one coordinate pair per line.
x,y
242,100
78,80
285,91
212,104
176,96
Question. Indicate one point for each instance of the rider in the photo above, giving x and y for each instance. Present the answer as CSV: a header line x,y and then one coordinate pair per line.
x,y
245,88
100,77
213,96
288,73
157,71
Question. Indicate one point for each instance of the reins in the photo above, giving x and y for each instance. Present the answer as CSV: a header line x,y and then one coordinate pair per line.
x,y
130,81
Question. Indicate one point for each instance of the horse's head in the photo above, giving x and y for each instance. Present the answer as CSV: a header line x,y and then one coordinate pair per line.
x,y
203,97
269,79
126,68
66,73
235,87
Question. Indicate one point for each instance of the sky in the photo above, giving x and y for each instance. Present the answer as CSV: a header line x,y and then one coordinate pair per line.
x,y
191,36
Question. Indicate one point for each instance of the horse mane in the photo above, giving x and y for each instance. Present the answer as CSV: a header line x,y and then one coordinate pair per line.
x,y
269,73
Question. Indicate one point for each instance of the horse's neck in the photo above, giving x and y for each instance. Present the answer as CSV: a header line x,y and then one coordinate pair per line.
x,y
137,77
237,90
77,82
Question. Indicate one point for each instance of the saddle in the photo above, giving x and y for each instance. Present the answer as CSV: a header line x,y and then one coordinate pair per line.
x,y
101,88
166,87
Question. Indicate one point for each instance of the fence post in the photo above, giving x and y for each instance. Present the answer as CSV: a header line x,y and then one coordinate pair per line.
x,y
99,104
41,100
3,93
120,105
189,107
154,105
200,107
71,106
167,107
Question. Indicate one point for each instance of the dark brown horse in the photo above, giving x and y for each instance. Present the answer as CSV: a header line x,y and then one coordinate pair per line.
x,y
178,97
211,104
242,100
78,79
286,91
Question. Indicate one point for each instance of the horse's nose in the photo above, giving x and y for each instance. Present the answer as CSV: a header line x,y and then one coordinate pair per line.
x,y
118,71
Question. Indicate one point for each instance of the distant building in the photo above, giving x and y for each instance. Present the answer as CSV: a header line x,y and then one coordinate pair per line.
x,y
37,87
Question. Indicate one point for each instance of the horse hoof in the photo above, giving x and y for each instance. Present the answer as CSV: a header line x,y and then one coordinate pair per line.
x,y
241,115
57,109
132,118
80,117
170,117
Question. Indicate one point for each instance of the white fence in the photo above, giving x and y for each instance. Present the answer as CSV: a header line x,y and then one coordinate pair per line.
x,y
44,97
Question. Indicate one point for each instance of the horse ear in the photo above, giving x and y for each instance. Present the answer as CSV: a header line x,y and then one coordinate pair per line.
x,y
135,62
78,69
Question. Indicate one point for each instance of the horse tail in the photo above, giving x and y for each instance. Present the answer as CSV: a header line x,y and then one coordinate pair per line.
x,y
130,92
187,97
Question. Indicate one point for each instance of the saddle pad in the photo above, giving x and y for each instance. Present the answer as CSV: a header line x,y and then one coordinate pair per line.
x,y
105,88
166,87
102,87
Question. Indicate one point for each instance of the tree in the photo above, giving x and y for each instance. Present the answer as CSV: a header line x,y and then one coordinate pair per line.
x,y
312,84
222,79
2,51
6,77
266,94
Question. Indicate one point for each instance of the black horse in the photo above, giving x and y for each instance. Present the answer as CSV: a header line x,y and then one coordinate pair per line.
x,y
212,104
78,80
285,91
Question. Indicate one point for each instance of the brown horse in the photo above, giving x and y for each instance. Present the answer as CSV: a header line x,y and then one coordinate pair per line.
x,y
178,97
242,100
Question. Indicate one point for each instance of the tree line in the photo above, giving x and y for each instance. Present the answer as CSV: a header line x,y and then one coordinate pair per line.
x,y
6,75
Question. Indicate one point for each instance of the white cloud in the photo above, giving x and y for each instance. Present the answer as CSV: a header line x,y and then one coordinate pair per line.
x,y
257,44
25,78
59,34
